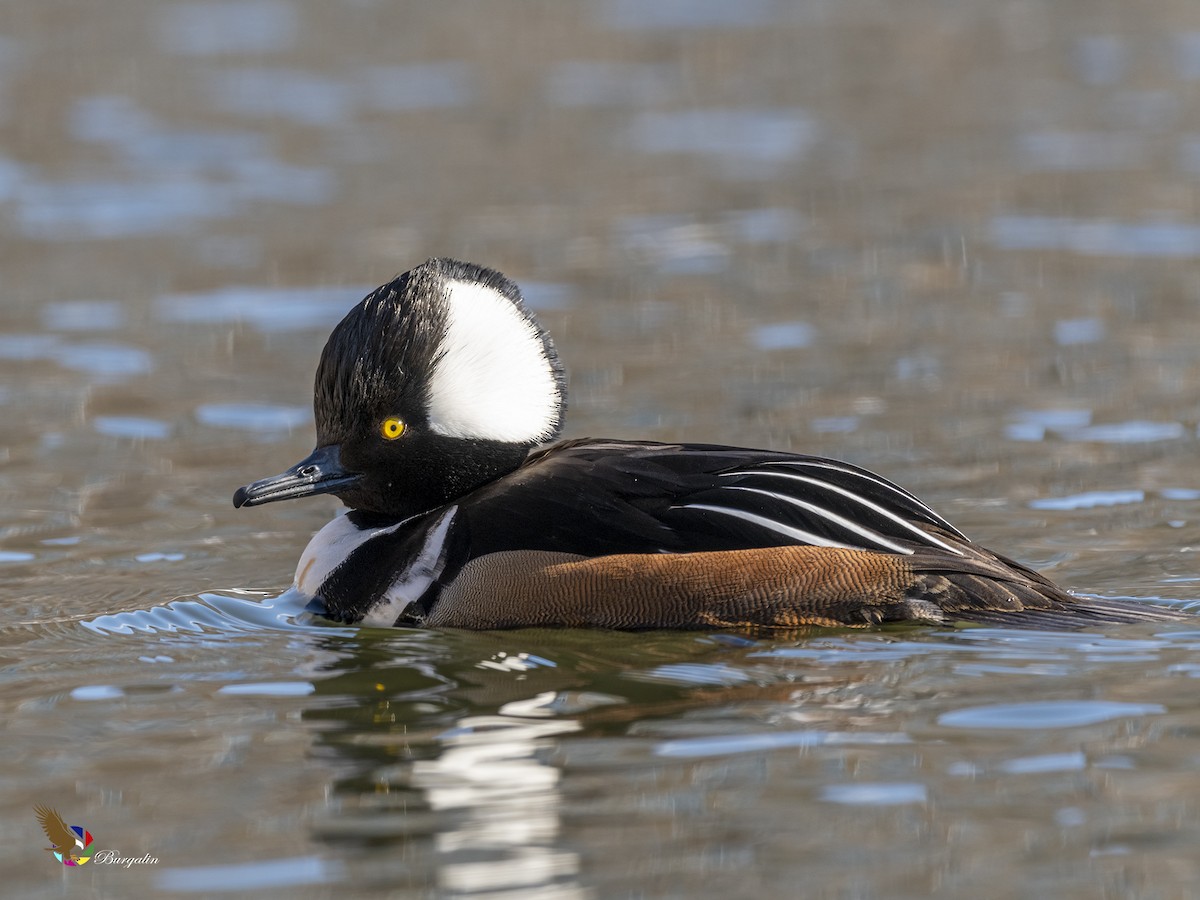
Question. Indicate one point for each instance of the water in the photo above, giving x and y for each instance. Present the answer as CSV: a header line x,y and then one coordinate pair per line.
x,y
955,245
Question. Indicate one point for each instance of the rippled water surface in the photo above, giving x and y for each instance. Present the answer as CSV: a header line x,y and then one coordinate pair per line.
x,y
956,243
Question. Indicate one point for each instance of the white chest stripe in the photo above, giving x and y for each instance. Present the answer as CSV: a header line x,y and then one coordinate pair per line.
x,y
416,579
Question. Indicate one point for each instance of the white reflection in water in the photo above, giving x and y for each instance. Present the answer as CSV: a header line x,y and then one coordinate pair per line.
x,y
492,774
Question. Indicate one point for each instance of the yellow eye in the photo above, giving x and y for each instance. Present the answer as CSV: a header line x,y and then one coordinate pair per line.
x,y
391,428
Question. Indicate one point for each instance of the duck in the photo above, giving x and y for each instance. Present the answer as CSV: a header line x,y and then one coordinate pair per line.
x,y
438,403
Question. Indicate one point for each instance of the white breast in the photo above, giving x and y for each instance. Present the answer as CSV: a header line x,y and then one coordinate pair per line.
x,y
328,548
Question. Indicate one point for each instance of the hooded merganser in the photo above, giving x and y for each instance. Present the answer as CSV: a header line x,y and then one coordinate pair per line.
x,y
433,392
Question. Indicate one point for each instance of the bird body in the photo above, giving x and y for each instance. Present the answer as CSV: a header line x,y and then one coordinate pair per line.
x,y
431,397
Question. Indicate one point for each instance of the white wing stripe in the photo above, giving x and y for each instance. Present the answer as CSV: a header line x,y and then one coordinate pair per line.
x,y
873,537
778,527
865,476
921,535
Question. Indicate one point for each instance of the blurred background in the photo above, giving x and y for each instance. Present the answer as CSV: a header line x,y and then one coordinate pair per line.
x,y
954,242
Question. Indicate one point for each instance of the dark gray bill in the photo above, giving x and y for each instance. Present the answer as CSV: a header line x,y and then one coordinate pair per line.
x,y
320,473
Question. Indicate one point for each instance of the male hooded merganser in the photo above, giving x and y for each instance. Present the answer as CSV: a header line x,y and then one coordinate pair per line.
x,y
430,398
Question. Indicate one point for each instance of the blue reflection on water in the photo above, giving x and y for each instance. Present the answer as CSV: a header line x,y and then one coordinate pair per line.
x,y
585,84
260,875
1075,425
1089,500
1078,331
1101,59
438,85
1046,714
113,209
316,100
684,14
783,336
104,361
253,416
748,143
83,315
722,744
1080,151
174,179
134,427
765,226
675,245
1096,237
293,94
268,309
220,26
1049,762
875,793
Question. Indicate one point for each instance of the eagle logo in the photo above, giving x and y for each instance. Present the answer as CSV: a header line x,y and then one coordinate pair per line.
x,y
70,844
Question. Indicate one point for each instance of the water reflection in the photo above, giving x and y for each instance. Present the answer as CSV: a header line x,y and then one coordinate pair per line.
x,y
494,778
1046,714
1097,237
746,143
220,27
267,309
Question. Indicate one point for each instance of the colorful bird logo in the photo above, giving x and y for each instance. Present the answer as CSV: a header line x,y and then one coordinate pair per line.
x,y
70,844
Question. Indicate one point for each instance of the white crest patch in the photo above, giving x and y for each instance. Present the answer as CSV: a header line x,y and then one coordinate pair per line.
x,y
493,380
